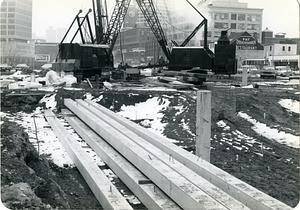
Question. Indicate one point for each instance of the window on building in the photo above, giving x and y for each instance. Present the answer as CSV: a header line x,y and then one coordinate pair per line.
x,y
233,26
253,18
221,16
252,27
289,49
3,9
11,27
221,25
10,15
4,32
241,26
233,16
283,48
11,32
11,20
241,17
13,4
11,9
270,48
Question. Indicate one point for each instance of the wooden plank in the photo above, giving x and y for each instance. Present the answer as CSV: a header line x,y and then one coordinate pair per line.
x,y
186,194
203,124
250,196
148,193
214,192
106,193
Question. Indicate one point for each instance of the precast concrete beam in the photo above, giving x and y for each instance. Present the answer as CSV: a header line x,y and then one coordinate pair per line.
x,y
149,194
245,193
216,193
179,189
105,192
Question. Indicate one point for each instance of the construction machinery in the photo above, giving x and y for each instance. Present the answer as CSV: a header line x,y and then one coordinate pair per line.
x,y
192,62
93,56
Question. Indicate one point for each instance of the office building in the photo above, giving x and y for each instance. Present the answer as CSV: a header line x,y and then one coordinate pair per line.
x,y
16,32
138,44
231,15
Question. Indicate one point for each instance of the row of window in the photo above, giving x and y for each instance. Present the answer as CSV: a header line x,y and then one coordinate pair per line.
x,y
11,21
19,10
239,17
17,33
283,48
240,26
4,4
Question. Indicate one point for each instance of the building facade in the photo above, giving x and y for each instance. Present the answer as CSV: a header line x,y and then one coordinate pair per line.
x,y
231,15
282,54
16,32
45,52
247,48
281,51
136,43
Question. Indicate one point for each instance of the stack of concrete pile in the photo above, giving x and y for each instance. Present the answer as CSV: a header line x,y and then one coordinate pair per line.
x,y
160,174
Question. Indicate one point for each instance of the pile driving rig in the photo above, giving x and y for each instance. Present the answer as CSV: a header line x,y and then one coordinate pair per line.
x,y
193,61
93,56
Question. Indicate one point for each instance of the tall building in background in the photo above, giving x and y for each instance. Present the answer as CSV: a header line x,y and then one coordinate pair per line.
x,y
233,15
16,32
138,44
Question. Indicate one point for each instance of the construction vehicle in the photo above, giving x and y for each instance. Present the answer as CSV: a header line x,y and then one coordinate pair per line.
x,y
192,62
93,56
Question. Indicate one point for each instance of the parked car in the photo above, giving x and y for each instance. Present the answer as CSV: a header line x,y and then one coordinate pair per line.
x,y
5,67
295,75
283,71
268,72
22,67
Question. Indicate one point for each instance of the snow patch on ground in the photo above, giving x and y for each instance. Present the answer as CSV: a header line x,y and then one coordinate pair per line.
x,y
272,133
150,110
248,87
50,101
48,142
96,100
186,127
89,96
179,109
291,105
223,125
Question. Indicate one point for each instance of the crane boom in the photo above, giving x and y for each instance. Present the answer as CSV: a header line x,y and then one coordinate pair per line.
x,y
116,22
149,12
99,30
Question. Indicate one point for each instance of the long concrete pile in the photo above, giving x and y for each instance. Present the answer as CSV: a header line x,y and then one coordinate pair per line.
x,y
160,174
180,179
105,192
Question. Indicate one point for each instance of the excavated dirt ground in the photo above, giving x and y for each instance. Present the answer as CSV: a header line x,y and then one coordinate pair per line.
x,y
276,172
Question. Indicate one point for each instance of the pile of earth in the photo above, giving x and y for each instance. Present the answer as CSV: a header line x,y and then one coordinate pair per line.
x,y
31,181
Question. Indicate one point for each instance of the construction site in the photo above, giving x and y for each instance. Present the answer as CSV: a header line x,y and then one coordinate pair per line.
x,y
191,131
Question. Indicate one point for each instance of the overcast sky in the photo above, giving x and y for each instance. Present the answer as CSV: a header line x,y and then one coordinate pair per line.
x,y
278,15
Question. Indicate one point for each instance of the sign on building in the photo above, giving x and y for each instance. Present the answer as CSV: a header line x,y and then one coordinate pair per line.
x,y
42,58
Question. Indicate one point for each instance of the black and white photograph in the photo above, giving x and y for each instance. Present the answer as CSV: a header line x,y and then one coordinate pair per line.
x,y
150,104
